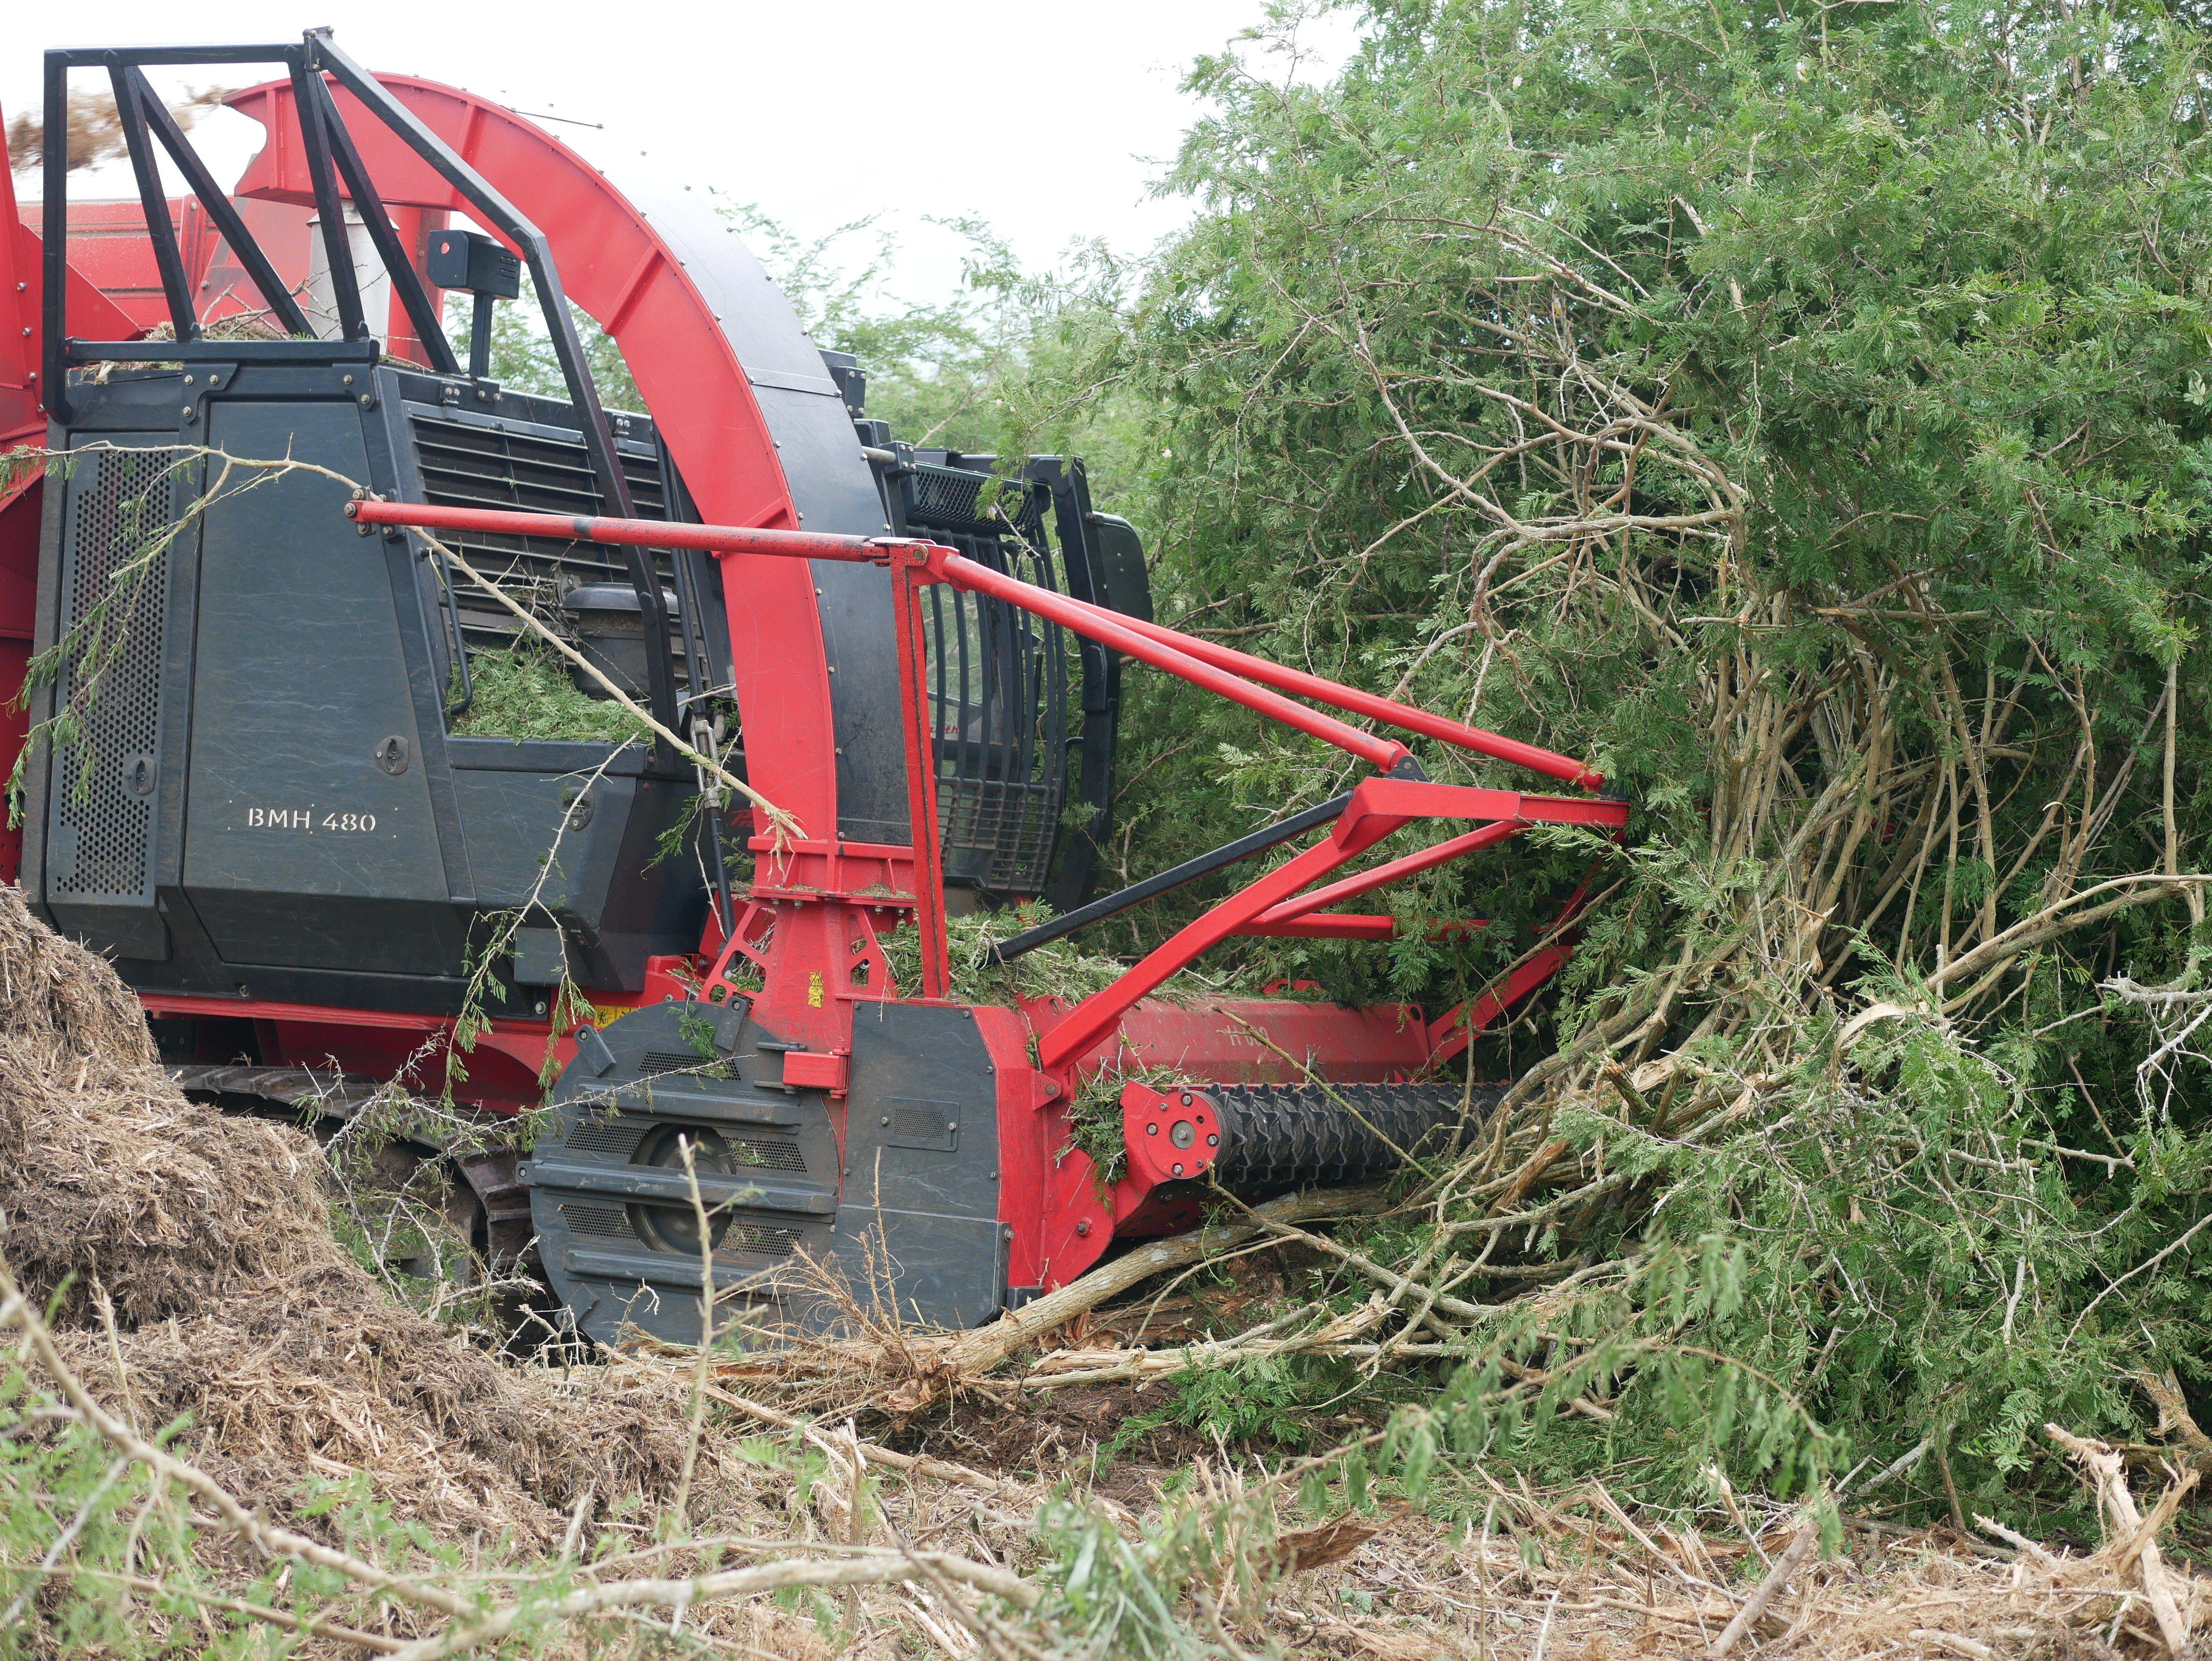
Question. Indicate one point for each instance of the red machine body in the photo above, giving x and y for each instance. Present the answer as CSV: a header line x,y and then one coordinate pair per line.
x,y
620,271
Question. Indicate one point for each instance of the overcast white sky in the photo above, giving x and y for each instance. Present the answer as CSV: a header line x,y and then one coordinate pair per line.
x,y
1048,121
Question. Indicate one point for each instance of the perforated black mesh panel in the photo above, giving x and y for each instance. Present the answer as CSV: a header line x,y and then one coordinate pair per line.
x,y
617,1136
607,1222
114,599
658,1062
928,1121
952,497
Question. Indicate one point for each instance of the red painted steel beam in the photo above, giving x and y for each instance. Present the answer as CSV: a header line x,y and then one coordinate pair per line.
x,y
1382,876
1107,628
921,779
1378,806
1345,925
1215,668
1453,1033
622,532
1245,1040
1101,1012
1420,798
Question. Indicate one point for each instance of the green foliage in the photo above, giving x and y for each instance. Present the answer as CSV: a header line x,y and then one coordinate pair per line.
x,y
1110,1595
1007,368
522,354
97,1554
49,1482
1059,969
1802,414
1268,1402
1866,382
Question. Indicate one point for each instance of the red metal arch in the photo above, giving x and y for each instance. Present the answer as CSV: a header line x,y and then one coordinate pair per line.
x,y
620,271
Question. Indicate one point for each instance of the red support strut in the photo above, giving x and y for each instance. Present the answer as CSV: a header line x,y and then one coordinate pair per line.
x,y
1271,904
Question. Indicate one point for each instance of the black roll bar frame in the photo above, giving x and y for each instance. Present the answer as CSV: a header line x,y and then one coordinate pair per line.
x,y
329,152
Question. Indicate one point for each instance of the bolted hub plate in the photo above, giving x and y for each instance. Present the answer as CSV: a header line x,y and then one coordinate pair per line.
x,y
618,1224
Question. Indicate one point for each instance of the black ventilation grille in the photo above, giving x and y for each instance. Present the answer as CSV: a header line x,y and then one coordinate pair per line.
x,y
539,471
617,1137
998,685
605,1221
954,499
928,1121
114,588
657,1061
532,469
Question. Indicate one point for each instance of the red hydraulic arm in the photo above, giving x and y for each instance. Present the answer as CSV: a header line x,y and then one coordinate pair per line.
x,y
1275,901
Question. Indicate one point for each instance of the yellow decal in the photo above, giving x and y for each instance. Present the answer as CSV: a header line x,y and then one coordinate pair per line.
x,y
814,990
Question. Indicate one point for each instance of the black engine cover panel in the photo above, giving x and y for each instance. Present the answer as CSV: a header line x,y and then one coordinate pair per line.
x,y
262,800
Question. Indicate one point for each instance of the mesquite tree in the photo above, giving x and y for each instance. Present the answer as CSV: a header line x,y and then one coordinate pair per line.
x,y
1801,410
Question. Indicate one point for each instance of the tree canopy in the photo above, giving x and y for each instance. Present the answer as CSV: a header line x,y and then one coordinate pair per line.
x,y
1801,410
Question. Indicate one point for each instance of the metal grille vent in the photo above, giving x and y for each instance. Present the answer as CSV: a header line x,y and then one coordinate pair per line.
x,y
605,1221
768,1155
115,587
952,499
655,1062
765,1238
930,1125
605,1136
539,472
998,688
542,471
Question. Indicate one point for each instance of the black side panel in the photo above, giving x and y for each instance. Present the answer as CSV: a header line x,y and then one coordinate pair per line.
x,y
119,508
863,654
1124,585
922,1162
918,1191
303,847
616,899
1106,566
831,484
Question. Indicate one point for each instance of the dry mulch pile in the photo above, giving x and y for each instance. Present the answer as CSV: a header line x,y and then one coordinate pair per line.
x,y
231,1302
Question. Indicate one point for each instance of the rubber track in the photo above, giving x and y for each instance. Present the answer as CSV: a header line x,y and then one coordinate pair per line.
x,y
1276,1137
490,1170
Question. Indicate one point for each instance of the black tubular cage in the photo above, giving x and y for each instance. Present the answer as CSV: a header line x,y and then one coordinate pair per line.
x,y
998,681
330,154
1024,771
